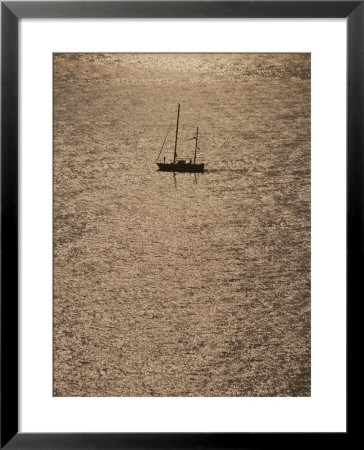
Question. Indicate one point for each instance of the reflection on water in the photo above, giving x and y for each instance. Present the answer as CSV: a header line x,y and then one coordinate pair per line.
x,y
182,284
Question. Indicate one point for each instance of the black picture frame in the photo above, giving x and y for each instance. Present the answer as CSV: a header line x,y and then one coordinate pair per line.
x,y
11,12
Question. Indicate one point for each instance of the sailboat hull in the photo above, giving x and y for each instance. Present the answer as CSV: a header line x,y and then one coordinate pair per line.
x,y
178,167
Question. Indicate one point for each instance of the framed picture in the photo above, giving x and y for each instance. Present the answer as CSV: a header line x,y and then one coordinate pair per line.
x,y
181,222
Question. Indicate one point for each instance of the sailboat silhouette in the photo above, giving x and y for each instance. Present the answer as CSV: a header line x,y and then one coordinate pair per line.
x,y
181,165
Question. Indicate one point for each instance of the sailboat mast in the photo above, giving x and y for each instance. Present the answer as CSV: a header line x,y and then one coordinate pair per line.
x,y
175,144
194,159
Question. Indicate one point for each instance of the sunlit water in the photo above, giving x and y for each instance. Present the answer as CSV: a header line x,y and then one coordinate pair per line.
x,y
185,284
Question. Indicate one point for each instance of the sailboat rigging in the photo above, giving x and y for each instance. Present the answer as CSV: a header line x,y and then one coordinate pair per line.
x,y
180,165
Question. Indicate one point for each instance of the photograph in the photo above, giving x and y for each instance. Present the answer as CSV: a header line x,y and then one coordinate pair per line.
x,y
181,224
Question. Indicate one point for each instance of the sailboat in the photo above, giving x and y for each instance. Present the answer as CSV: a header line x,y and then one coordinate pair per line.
x,y
180,165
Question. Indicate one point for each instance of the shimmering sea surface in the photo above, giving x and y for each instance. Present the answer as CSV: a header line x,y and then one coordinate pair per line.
x,y
182,284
